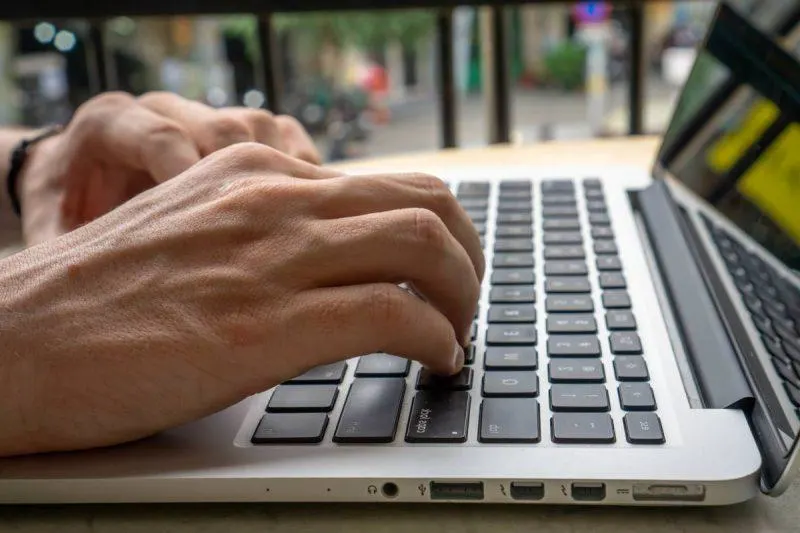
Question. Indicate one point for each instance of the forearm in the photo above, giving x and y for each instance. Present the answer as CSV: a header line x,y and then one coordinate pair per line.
x,y
10,226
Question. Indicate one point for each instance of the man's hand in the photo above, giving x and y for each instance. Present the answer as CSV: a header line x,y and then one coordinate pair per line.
x,y
235,276
117,146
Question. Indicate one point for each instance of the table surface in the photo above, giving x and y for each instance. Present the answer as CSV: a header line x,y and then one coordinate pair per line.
x,y
762,514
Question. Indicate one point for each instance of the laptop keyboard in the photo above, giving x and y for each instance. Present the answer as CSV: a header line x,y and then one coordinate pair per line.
x,y
774,306
521,381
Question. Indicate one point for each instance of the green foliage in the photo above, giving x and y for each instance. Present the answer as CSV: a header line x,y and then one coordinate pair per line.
x,y
566,65
366,29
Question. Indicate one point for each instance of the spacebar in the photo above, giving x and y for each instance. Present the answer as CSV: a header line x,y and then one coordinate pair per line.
x,y
371,411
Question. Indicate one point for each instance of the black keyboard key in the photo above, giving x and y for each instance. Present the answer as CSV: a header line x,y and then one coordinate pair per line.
x,y
643,428
790,340
371,411
582,428
514,231
561,224
564,252
480,227
593,193
605,247
516,185
602,232
592,183
785,371
511,194
565,268
512,313
514,206
620,320
514,218
569,304
509,420
763,324
572,285
291,428
474,204
579,398
630,368
333,373
469,354
427,380
513,245
382,365
512,276
438,416
513,294
625,342
612,280
510,335
477,216
636,397
511,358
596,206
775,348
563,237
474,331
616,299
753,304
303,399
608,263
599,219
512,260
571,324
559,199
559,211
473,189
576,371
573,346
793,392
791,351
557,186
512,384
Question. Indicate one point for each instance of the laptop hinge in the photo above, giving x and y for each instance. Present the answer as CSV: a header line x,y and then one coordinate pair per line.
x,y
715,365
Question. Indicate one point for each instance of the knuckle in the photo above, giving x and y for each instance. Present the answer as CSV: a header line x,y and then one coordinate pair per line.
x,y
99,107
224,129
155,97
428,228
249,156
162,133
387,304
439,195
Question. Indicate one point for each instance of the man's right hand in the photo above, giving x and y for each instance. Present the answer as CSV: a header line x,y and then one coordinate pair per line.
x,y
248,269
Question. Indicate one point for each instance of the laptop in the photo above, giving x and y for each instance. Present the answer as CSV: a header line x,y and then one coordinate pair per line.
x,y
637,340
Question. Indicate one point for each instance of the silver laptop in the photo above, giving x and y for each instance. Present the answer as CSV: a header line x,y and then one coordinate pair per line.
x,y
637,340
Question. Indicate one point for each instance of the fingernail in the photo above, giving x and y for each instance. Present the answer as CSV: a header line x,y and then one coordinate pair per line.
x,y
458,358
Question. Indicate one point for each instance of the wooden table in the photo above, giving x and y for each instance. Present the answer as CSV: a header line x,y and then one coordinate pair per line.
x,y
760,515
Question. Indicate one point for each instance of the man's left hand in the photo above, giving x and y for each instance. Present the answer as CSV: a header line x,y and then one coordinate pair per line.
x,y
118,146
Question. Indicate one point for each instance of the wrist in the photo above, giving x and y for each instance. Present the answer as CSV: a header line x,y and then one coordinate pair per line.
x,y
20,161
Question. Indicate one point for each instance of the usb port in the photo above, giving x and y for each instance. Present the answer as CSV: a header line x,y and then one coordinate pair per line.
x,y
456,491
527,490
588,492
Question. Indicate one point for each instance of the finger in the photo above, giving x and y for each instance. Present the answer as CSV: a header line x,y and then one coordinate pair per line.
x,y
371,318
210,129
296,141
123,133
356,195
408,245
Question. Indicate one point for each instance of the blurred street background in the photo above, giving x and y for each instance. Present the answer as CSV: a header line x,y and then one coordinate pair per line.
x,y
364,83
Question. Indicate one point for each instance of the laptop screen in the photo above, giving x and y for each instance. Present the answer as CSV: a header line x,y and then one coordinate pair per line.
x,y
735,135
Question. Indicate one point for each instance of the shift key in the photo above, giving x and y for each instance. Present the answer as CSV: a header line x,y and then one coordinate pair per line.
x,y
371,411
439,416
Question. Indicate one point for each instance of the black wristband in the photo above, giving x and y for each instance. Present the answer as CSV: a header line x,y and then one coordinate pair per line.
x,y
18,157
